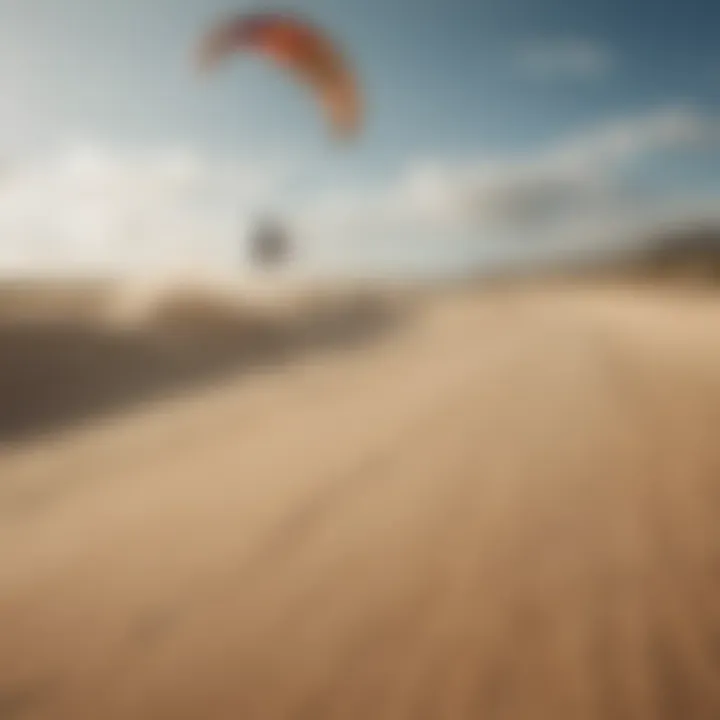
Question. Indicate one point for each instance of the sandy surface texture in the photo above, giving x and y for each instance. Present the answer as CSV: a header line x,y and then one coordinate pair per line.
x,y
504,506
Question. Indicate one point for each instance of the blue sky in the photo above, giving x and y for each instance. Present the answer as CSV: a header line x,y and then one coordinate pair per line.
x,y
454,88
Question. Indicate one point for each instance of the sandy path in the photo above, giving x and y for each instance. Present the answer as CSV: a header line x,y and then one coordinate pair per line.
x,y
508,510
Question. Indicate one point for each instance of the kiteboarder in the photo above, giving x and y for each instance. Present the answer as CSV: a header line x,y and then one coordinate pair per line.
x,y
269,244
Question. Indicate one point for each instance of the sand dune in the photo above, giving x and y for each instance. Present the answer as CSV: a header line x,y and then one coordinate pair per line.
x,y
504,508
72,350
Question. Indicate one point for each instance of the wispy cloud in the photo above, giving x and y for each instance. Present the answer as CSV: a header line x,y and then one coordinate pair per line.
x,y
581,171
565,58
574,188
93,207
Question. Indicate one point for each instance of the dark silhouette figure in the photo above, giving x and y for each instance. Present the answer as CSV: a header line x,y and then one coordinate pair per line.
x,y
270,244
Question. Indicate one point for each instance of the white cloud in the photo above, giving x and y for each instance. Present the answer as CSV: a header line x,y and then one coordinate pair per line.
x,y
579,173
574,191
90,207
95,208
565,58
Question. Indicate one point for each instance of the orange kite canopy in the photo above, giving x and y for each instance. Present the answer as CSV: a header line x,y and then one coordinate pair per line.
x,y
302,49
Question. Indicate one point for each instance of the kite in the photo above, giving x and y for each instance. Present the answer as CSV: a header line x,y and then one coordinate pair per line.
x,y
308,53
